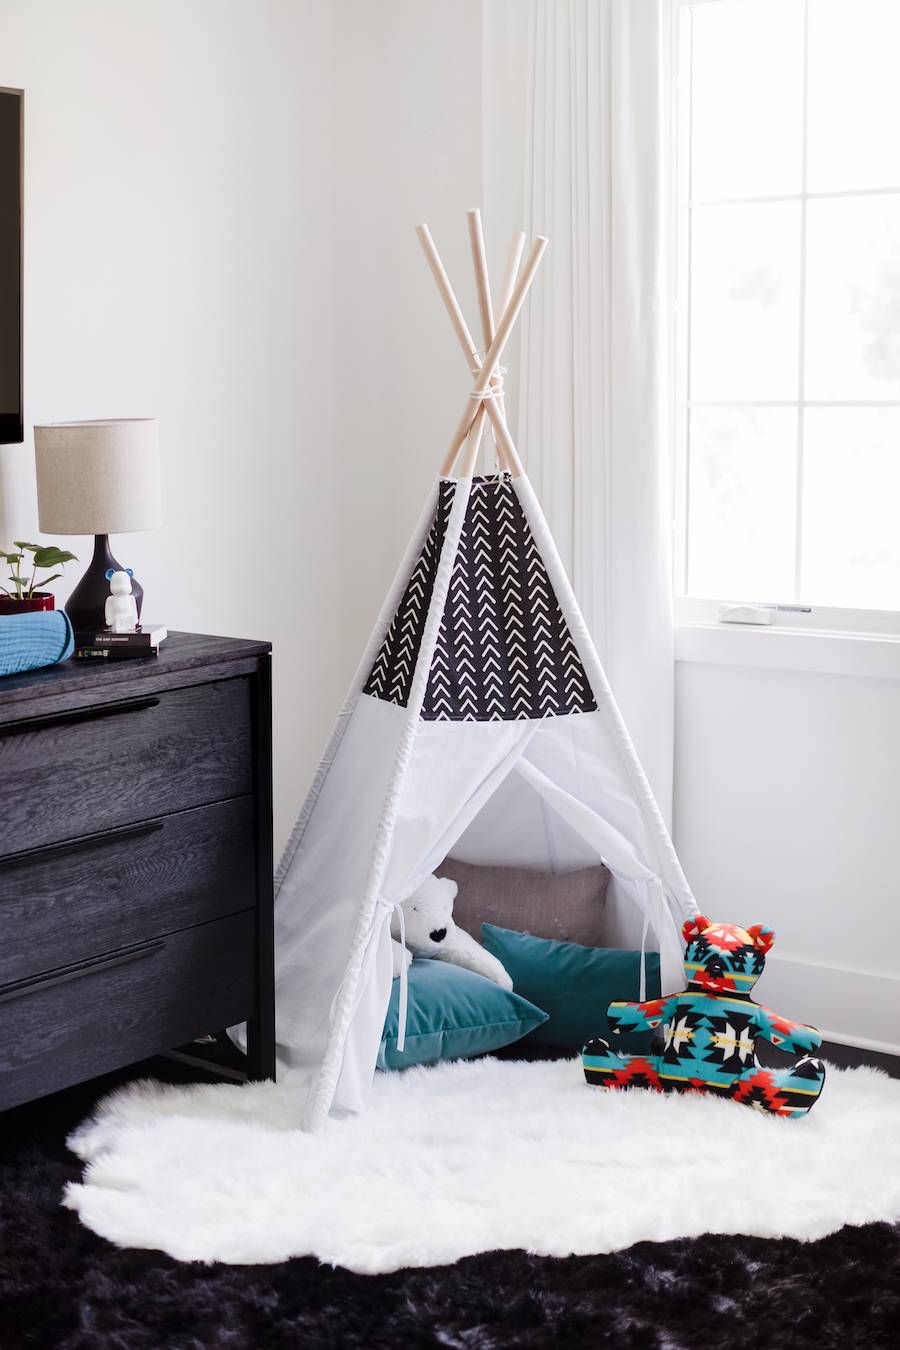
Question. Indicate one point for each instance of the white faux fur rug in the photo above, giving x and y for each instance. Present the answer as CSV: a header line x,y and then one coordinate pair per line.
x,y
474,1156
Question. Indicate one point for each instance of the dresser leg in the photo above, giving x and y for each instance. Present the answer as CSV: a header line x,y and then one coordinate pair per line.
x,y
261,1027
260,1052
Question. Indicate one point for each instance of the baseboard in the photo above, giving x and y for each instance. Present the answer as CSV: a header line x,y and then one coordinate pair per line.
x,y
850,1007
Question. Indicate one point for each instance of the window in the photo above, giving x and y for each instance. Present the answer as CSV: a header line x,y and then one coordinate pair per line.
x,y
788,302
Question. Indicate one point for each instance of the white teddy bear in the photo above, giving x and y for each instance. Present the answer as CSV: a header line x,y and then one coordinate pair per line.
x,y
430,931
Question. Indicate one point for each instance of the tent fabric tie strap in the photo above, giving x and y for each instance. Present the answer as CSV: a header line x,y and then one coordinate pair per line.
x,y
642,990
494,389
397,906
404,981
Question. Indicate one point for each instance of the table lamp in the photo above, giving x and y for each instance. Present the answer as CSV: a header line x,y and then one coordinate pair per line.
x,y
98,478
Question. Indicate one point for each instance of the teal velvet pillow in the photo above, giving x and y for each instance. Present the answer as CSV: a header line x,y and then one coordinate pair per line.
x,y
453,1013
574,984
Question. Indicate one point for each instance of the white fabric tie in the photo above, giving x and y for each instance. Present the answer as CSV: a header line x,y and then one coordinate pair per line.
x,y
642,978
404,984
654,912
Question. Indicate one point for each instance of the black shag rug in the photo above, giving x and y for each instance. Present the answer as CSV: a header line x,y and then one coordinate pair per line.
x,y
63,1288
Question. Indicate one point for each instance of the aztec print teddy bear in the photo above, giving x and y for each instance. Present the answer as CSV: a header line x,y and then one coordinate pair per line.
x,y
710,1030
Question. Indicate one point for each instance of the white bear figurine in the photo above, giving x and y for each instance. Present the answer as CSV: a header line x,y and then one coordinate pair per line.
x,y
430,931
120,610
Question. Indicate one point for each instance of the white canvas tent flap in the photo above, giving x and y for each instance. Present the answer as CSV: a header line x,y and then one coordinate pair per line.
x,y
479,725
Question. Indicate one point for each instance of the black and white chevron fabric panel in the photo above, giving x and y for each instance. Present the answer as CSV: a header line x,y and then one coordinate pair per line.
x,y
391,676
504,651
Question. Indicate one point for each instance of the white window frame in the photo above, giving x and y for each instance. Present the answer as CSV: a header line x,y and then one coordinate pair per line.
x,y
714,638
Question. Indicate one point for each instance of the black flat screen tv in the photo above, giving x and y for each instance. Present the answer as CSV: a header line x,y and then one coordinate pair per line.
x,y
11,401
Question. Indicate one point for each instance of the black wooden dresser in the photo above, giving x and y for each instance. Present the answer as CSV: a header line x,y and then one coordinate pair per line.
x,y
135,861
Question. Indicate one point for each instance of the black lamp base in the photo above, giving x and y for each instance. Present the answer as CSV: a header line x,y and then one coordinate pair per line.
x,y
86,606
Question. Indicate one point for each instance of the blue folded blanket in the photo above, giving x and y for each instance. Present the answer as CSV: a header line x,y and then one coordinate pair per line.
x,y
28,641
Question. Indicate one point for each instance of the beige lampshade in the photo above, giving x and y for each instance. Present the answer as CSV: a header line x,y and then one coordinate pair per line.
x,y
98,477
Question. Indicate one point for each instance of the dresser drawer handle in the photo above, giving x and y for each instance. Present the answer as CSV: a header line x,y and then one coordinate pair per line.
x,y
49,981
77,715
88,841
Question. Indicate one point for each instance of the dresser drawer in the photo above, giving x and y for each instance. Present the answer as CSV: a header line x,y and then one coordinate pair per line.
x,y
74,900
89,1019
93,769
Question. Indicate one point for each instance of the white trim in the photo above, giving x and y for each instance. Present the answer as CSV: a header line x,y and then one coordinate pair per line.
x,y
855,654
681,223
852,1007
861,1042
800,618
790,197
791,403
801,319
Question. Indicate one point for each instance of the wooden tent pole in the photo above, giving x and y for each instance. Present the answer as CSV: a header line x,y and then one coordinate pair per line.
x,y
486,308
460,327
482,280
492,357
516,250
505,442
469,457
472,444
457,318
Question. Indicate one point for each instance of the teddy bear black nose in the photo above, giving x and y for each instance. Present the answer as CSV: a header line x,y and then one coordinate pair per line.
x,y
438,935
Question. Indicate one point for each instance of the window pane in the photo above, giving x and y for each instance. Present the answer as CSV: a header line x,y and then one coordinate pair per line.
x,y
747,90
854,95
851,492
741,503
745,301
853,298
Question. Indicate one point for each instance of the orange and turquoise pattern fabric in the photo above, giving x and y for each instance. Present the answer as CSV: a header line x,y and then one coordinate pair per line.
x,y
705,1036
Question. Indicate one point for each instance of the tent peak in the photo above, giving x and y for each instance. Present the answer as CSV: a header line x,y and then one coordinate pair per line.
x,y
485,401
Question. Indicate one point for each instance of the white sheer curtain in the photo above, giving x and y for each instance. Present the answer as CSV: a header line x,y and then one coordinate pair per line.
x,y
574,92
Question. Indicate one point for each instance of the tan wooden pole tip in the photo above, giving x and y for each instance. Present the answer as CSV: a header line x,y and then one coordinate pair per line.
x,y
457,318
482,279
488,407
495,351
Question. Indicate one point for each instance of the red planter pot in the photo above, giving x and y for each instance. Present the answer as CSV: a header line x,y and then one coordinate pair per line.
x,y
41,600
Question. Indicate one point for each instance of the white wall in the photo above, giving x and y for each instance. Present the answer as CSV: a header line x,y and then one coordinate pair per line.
x,y
407,150
787,802
179,163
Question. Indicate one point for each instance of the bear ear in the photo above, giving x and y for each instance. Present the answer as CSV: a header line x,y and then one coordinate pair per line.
x,y
109,573
449,888
693,927
130,571
763,936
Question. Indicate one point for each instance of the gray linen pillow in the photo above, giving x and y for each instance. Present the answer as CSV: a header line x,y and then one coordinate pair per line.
x,y
565,906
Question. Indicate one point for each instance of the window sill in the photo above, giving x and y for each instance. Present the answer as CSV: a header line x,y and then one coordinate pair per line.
x,y
876,656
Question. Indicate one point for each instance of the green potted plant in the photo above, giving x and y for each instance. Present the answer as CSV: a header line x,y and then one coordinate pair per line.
x,y
19,595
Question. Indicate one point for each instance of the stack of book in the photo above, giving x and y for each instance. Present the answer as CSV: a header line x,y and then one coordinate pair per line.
x,y
102,644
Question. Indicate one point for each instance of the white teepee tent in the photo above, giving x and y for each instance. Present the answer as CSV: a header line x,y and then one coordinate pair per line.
x,y
479,724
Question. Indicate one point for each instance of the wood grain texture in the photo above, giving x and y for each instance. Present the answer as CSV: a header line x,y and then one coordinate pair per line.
x,y
108,1015
67,779
135,861
88,681
75,901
